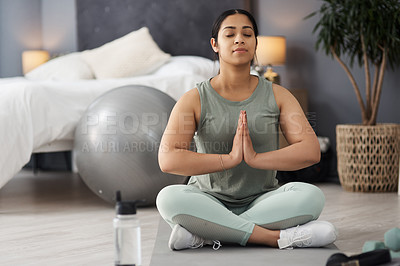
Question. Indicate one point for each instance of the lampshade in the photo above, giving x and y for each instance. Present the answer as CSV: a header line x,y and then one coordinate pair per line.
x,y
33,58
271,50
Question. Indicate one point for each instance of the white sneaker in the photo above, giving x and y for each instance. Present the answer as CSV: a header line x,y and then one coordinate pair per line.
x,y
312,234
182,239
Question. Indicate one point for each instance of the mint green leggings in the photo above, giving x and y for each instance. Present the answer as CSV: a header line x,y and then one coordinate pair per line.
x,y
204,215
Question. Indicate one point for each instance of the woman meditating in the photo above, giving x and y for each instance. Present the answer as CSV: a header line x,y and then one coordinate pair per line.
x,y
233,195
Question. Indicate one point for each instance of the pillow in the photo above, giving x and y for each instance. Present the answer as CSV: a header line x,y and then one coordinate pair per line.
x,y
131,55
67,67
189,64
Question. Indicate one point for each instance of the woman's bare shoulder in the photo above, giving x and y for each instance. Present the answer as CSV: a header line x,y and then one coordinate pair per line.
x,y
193,93
282,95
189,103
190,98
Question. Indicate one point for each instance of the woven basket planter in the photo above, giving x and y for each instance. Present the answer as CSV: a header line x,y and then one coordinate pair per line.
x,y
368,157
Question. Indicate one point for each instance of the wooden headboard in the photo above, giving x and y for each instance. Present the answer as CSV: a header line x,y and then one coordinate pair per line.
x,y
180,27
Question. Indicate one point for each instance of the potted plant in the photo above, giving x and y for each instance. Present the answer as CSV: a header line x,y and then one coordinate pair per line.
x,y
366,32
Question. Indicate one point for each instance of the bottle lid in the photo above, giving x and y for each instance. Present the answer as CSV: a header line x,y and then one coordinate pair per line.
x,y
125,207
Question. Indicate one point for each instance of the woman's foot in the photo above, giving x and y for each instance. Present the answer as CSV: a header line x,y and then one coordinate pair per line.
x,y
312,234
182,239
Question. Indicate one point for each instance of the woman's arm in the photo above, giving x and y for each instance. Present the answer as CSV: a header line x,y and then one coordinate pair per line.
x,y
174,155
303,149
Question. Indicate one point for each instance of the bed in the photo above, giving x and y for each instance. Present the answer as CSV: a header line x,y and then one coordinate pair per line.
x,y
39,112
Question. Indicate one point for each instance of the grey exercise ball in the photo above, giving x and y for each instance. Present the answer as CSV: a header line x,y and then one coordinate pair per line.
x,y
117,141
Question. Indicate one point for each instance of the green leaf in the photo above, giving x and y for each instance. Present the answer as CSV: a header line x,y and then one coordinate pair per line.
x,y
342,21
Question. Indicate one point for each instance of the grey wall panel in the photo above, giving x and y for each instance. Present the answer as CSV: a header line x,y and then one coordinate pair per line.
x,y
180,27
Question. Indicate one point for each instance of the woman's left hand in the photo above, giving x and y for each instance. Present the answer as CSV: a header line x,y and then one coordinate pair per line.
x,y
248,151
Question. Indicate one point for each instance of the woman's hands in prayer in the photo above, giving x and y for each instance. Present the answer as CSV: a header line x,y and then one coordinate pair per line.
x,y
236,155
242,148
248,151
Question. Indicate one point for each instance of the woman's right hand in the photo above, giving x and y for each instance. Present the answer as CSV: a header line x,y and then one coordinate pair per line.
x,y
236,155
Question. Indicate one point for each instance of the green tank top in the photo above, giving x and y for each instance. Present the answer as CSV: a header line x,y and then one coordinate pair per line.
x,y
240,185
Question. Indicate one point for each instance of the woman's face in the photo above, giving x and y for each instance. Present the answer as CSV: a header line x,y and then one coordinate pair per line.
x,y
236,40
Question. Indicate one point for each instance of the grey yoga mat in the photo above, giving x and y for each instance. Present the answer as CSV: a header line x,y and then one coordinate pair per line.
x,y
233,255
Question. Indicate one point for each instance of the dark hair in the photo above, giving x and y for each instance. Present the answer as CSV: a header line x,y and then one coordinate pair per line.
x,y
217,23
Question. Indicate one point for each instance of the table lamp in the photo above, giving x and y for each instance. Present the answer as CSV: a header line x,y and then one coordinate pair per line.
x,y
33,58
271,51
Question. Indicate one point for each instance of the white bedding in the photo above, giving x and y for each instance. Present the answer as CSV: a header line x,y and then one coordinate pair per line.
x,y
35,113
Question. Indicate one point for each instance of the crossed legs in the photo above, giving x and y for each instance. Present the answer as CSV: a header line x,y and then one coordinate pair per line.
x,y
260,222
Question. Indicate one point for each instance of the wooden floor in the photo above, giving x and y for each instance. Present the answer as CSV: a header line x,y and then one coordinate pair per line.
x,y
54,219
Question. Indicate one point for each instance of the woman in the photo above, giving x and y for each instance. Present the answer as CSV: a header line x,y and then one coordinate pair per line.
x,y
233,195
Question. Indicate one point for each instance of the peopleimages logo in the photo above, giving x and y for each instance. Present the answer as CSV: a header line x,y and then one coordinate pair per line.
x,y
111,146
120,146
111,123
131,132
217,146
